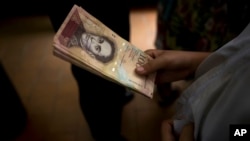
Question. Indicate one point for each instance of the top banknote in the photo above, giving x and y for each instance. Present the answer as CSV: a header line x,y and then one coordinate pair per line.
x,y
85,41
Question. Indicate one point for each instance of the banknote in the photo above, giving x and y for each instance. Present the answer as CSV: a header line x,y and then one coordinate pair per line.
x,y
86,42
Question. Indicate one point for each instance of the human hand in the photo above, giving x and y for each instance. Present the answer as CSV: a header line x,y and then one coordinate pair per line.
x,y
187,133
171,65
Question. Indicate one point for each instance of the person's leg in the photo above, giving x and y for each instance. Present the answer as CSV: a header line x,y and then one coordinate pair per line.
x,y
96,94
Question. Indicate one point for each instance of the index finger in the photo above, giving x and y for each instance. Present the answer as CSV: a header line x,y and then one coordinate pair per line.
x,y
153,52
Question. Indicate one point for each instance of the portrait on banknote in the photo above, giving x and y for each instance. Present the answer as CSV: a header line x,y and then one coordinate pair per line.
x,y
96,46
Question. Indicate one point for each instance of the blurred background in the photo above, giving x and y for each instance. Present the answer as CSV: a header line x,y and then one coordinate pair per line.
x,y
26,7
39,96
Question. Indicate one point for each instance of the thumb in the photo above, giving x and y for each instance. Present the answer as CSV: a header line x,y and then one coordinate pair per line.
x,y
167,131
151,66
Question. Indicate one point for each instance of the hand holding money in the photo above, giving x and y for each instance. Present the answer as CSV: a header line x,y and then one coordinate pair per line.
x,y
89,44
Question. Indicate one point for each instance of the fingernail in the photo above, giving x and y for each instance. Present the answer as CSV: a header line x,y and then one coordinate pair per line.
x,y
140,69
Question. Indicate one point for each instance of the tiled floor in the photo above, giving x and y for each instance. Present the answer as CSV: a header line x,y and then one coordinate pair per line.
x,y
39,77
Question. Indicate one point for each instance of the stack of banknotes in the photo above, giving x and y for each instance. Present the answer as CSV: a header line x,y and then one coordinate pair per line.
x,y
86,42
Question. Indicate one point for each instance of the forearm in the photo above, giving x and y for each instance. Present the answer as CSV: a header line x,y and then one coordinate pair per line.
x,y
196,59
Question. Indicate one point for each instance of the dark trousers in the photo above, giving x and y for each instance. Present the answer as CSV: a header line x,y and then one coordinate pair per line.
x,y
101,101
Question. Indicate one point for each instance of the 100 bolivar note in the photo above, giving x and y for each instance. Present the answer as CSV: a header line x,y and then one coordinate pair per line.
x,y
85,41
